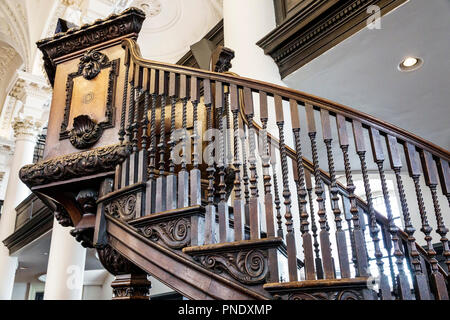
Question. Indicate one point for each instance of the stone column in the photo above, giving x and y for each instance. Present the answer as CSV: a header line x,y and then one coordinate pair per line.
x,y
66,262
245,23
25,131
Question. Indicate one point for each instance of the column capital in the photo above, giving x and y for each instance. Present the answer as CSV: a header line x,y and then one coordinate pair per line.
x,y
25,127
27,84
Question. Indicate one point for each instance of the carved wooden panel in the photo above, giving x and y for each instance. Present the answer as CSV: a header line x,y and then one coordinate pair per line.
x,y
90,95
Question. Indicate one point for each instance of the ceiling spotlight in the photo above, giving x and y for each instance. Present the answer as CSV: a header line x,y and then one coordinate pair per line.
x,y
23,268
45,253
410,64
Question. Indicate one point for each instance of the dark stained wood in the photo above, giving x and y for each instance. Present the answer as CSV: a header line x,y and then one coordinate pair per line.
x,y
290,234
308,28
325,244
431,179
358,235
340,234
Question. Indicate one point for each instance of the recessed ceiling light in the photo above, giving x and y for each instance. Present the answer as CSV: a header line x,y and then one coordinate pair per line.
x,y
23,268
45,253
410,64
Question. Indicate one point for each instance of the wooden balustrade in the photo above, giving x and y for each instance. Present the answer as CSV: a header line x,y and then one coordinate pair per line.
x,y
233,165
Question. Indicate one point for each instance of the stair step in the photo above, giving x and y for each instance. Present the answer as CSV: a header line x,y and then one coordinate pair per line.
x,y
246,261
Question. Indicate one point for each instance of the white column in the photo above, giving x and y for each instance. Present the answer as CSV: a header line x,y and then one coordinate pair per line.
x,y
65,270
245,23
25,131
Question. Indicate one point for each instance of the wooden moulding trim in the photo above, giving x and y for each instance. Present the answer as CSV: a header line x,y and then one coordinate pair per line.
x,y
133,249
271,242
124,190
31,230
169,214
288,93
317,27
320,283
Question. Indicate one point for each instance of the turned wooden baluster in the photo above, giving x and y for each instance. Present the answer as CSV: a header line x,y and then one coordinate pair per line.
x,y
273,162
420,281
444,176
431,179
210,214
341,241
324,236
268,198
378,156
317,259
118,181
437,279
134,158
222,206
172,187
183,175
143,153
302,193
150,202
129,130
238,203
195,171
384,288
254,220
161,181
358,234
290,233
243,135
348,217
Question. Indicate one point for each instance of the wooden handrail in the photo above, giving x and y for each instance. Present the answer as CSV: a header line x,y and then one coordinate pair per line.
x,y
288,93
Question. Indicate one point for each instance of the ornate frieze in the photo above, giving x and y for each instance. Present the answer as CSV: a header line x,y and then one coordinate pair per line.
x,y
128,22
74,165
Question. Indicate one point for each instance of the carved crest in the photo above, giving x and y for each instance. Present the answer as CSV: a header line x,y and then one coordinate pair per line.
x,y
91,63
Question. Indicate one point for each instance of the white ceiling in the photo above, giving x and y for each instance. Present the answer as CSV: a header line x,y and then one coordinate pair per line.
x,y
361,72
172,26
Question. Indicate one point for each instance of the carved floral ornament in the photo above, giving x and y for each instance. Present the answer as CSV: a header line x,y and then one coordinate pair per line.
x,y
74,165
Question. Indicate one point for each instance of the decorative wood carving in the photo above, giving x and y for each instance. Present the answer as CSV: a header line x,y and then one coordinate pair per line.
x,y
84,230
128,23
114,262
131,287
246,261
221,59
123,207
333,295
176,233
86,131
74,165
62,216
248,266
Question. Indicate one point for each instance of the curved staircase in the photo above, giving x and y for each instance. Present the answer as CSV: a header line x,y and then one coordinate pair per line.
x,y
274,213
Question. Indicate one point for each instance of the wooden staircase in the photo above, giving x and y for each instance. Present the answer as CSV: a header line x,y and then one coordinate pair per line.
x,y
153,199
